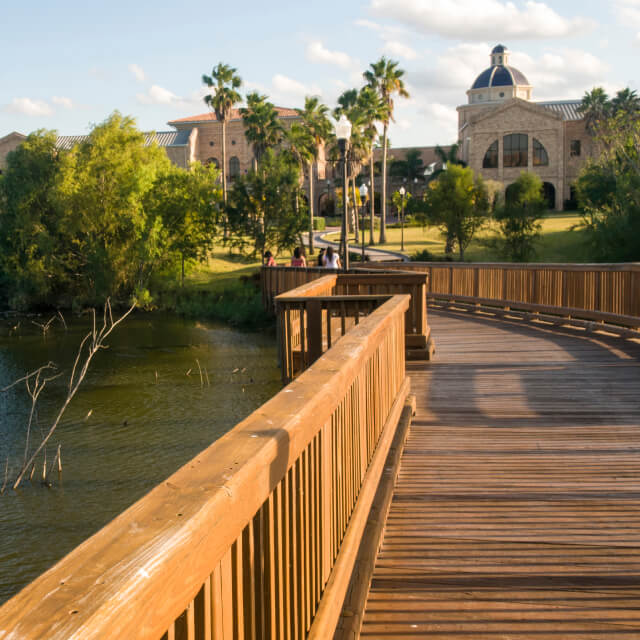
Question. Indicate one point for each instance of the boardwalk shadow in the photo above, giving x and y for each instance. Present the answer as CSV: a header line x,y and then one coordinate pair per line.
x,y
499,373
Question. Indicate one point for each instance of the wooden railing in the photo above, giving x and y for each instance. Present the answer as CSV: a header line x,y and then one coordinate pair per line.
x,y
257,535
600,292
312,316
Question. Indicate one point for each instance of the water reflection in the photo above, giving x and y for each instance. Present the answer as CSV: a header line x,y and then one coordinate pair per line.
x,y
148,417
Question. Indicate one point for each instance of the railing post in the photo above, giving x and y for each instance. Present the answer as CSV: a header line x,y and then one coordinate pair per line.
x,y
314,329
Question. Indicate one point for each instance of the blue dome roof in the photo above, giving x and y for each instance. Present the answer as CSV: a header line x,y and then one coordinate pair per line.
x,y
499,76
499,49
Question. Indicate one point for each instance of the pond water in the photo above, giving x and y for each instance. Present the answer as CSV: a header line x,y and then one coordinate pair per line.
x,y
137,418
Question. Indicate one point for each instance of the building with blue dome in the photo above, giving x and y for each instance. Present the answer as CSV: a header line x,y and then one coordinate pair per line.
x,y
503,132
500,81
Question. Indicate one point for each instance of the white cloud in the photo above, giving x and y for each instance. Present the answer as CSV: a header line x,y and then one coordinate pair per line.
x,y
286,85
557,74
399,50
29,107
317,52
159,95
441,118
137,72
61,101
480,19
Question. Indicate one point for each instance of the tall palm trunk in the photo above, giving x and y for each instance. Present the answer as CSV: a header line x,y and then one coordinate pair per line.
x,y
372,199
224,175
356,219
383,206
311,208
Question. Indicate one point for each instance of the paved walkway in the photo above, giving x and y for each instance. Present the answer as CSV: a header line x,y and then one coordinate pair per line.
x,y
375,255
517,509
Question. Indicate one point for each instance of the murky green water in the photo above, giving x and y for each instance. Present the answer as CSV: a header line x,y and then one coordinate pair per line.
x,y
147,419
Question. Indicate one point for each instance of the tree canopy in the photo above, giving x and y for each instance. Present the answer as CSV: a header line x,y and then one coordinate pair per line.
x,y
458,202
100,220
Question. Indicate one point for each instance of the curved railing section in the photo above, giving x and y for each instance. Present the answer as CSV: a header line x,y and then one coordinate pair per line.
x,y
604,293
608,293
257,535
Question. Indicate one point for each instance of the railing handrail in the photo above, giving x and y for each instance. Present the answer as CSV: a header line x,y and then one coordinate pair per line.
x,y
130,579
558,266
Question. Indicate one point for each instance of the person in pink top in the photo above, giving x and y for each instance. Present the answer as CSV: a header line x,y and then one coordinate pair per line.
x,y
269,260
298,259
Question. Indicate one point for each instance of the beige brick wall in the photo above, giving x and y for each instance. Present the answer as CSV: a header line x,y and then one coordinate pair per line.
x,y
538,123
8,143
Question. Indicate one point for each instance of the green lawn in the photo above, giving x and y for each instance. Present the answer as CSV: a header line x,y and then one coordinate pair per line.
x,y
220,270
562,240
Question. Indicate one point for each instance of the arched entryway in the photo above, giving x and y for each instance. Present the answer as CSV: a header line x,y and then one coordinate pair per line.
x,y
549,193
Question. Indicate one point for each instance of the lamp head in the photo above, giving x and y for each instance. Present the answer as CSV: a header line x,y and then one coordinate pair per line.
x,y
402,191
343,128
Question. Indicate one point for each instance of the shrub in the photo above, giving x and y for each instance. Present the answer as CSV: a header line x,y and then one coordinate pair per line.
x,y
319,223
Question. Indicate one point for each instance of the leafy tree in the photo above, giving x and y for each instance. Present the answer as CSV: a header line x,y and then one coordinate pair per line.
x,y
458,202
225,82
262,211
262,126
187,203
609,191
519,215
103,184
315,119
386,79
33,256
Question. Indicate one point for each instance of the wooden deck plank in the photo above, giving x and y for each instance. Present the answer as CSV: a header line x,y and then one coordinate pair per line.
x,y
517,508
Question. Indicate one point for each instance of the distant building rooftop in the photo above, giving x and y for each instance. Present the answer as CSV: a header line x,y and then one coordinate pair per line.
x,y
210,116
162,138
568,109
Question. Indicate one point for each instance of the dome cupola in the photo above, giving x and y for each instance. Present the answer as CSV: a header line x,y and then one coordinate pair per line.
x,y
500,81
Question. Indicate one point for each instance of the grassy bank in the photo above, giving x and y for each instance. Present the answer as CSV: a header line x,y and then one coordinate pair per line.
x,y
225,288
562,240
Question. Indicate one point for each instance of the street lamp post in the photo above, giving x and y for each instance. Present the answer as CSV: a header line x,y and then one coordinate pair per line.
x,y
343,133
403,192
363,197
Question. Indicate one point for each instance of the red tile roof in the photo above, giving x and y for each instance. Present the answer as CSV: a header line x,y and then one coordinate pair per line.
x,y
210,116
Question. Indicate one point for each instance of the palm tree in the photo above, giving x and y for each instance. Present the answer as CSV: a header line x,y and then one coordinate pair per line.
x,y
315,118
386,79
595,108
225,81
262,125
627,102
371,109
301,148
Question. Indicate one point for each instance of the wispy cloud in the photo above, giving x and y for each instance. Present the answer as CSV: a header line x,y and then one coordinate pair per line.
x,y
61,101
399,50
317,52
137,72
481,19
292,87
159,95
28,107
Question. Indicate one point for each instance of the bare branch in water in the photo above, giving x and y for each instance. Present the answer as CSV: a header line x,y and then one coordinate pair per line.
x,y
90,345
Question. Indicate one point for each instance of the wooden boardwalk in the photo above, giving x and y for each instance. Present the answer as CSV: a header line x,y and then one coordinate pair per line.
x,y
517,508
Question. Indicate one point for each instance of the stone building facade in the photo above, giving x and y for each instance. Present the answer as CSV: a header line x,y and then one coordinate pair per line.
x,y
502,132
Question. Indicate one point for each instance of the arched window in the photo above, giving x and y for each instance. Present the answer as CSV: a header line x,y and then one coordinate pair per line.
x,y
234,167
491,157
540,157
515,149
213,161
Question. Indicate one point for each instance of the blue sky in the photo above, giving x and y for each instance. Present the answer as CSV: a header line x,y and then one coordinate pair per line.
x,y
68,64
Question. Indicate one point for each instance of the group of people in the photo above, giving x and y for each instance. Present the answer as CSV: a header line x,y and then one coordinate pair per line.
x,y
327,258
